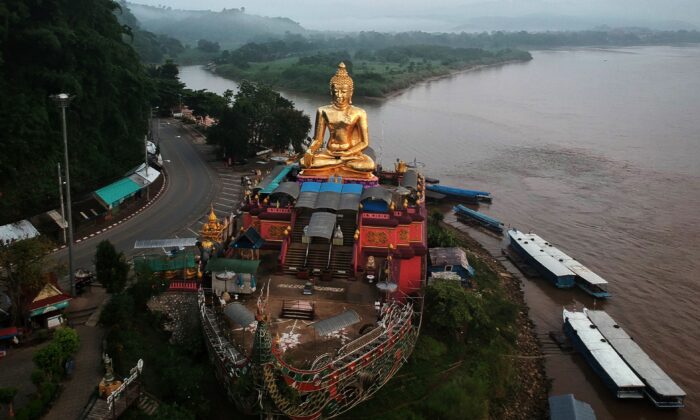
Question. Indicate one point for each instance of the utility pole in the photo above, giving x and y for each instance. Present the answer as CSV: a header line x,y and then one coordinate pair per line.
x,y
63,100
63,210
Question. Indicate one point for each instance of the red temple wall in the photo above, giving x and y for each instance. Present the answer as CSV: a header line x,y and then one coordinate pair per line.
x,y
273,230
410,274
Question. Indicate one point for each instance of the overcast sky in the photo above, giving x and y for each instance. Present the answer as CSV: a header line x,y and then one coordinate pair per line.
x,y
437,15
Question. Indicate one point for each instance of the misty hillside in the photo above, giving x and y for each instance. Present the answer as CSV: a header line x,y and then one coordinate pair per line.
x,y
229,27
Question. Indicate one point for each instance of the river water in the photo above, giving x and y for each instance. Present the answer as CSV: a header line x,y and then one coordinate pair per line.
x,y
596,150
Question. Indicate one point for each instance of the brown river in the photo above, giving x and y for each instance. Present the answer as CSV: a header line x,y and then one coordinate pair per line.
x,y
597,151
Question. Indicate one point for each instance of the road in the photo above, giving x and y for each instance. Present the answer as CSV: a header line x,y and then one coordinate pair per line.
x,y
192,186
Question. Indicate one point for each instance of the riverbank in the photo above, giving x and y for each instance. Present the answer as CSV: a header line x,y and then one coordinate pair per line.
x,y
529,401
373,78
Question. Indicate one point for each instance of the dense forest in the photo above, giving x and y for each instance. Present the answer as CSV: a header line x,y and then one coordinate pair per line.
x,y
295,64
76,47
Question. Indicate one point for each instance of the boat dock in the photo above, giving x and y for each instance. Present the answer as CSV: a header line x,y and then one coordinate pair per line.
x,y
484,220
550,268
601,356
660,388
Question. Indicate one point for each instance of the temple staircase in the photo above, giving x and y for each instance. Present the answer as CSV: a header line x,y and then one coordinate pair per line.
x,y
341,260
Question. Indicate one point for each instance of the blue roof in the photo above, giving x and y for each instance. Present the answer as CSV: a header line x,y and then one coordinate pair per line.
x,y
113,193
331,186
275,182
566,407
310,186
352,189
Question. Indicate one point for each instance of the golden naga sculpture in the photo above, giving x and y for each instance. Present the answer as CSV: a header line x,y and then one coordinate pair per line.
x,y
348,137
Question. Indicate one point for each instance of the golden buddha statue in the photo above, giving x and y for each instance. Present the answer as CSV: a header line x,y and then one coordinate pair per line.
x,y
347,128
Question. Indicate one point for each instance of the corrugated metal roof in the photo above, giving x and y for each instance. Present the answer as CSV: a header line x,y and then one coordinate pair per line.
x,y
602,351
376,193
331,186
18,231
164,243
448,256
566,407
56,217
289,188
239,314
322,225
568,262
352,189
311,186
349,202
636,358
250,239
410,179
306,200
327,200
232,264
330,325
117,191
279,175
147,173
536,252
141,181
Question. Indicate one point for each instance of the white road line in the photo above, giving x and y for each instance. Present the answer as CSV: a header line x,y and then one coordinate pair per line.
x,y
228,193
227,199
193,231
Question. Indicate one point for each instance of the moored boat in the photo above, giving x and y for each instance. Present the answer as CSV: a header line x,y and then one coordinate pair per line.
x,y
550,268
484,220
601,356
660,388
584,278
460,193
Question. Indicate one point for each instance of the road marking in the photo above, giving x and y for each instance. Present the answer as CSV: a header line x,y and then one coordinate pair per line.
x,y
228,193
228,187
193,231
227,199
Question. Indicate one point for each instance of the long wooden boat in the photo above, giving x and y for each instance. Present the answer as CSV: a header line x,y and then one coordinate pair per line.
x,y
484,220
601,356
660,388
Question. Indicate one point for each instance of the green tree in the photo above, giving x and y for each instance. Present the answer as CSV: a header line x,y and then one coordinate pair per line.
x,y
110,267
260,118
72,46
23,263
452,309
7,396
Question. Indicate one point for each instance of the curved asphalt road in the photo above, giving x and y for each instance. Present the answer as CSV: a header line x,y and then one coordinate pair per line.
x,y
192,186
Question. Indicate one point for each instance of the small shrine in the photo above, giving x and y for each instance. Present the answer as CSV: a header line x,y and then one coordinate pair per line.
x,y
213,231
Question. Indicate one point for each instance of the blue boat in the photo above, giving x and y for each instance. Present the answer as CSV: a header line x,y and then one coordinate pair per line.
x,y
484,220
550,268
601,356
460,193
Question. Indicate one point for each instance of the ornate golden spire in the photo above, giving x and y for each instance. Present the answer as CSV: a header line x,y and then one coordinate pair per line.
x,y
341,77
212,216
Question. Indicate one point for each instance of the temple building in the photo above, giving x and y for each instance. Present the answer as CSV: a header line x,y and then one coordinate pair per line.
x,y
349,249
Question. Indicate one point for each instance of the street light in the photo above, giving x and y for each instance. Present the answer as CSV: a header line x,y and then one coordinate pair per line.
x,y
63,100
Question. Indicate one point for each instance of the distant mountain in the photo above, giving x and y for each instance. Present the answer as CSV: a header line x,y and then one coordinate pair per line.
x,y
229,27
554,22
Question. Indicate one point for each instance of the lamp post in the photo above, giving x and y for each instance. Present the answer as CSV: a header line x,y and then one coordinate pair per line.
x,y
63,100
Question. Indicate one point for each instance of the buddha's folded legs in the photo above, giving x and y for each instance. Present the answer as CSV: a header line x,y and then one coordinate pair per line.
x,y
362,163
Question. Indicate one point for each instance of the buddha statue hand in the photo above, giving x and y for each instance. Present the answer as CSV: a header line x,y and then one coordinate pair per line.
x,y
308,159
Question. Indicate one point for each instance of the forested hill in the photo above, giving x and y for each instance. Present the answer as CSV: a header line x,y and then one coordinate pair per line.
x,y
229,27
72,46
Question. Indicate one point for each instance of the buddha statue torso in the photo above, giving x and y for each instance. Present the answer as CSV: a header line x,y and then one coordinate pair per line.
x,y
348,136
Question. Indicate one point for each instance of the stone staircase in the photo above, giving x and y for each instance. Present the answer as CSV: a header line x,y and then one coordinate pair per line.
x,y
318,259
148,404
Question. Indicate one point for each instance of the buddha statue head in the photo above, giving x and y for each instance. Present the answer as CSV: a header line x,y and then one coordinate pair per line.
x,y
341,87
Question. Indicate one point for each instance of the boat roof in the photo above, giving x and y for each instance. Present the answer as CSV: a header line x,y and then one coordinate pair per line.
x,y
535,251
570,263
602,351
635,357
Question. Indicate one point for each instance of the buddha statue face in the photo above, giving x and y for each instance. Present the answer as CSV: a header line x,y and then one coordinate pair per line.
x,y
341,95
341,88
